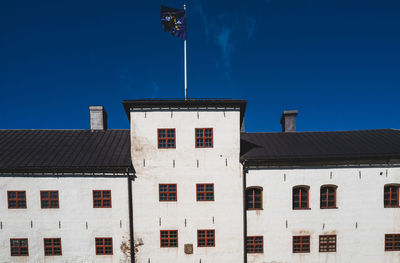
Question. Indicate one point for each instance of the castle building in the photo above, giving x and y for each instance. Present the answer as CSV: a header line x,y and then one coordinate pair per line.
x,y
186,183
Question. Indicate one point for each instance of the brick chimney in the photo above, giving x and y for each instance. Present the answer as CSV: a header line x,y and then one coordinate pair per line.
x,y
288,120
98,118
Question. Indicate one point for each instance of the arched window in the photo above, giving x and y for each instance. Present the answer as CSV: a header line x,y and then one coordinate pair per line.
x,y
254,198
328,196
300,197
391,195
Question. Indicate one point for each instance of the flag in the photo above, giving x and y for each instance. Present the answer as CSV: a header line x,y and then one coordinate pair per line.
x,y
174,21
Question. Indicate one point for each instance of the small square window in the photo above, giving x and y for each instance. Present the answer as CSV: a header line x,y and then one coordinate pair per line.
x,y
167,192
49,199
166,138
104,246
52,246
206,238
254,198
392,242
169,238
300,197
391,196
301,244
19,247
255,244
204,137
327,243
101,198
328,196
16,199
205,192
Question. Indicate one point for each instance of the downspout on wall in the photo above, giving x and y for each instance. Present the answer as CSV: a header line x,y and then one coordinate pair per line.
x,y
244,212
130,178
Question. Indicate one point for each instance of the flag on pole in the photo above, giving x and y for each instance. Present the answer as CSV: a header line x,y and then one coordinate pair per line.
x,y
174,21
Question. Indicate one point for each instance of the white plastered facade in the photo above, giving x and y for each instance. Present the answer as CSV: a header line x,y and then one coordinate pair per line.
x,y
76,222
187,166
360,220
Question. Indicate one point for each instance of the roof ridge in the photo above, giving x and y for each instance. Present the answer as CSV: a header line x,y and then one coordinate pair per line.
x,y
297,132
61,130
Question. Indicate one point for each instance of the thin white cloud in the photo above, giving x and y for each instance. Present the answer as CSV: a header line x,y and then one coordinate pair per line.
x,y
154,88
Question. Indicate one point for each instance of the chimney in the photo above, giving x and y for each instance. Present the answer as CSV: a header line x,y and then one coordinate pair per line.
x,y
98,118
288,120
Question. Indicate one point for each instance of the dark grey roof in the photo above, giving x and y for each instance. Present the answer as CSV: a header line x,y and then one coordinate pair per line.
x,y
64,151
182,103
318,146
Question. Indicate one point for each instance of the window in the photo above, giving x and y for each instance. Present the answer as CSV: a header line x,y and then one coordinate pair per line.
x,y
169,238
101,198
391,196
104,246
205,192
392,242
328,196
19,247
204,138
254,198
166,138
52,246
16,199
167,192
301,244
255,244
49,199
300,197
327,243
206,238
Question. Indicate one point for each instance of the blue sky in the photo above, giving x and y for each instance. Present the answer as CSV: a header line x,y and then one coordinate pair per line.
x,y
337,62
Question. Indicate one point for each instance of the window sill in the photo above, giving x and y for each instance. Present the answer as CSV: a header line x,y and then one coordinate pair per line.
x,y
329,208
301,208
254,209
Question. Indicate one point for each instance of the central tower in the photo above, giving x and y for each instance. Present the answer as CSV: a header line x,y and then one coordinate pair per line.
x,y
188,190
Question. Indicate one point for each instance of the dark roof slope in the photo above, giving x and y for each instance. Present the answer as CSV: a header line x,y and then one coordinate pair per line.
x,y
64,151
316,146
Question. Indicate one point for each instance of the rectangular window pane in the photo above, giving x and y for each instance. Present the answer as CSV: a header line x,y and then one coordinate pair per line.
x,y
102,198
166,138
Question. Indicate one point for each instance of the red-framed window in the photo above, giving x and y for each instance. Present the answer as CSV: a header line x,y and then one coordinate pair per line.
x,y
391,196
205,192
206,238
328,196
167,192
49,199
301,244
169,238
16,199
300,197
327,243
101,198
204,137
52,246
255,244
19,247
392,242
104,246
254,198
166,138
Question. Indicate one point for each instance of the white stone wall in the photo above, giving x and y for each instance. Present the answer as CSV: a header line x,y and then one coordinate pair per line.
x,y
68,222
218,165
360,221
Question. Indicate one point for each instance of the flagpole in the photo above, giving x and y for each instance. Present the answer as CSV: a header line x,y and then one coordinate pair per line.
x,y
184,50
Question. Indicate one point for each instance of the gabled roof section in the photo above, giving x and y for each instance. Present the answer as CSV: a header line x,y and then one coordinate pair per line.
x,y
39,151
320,146
182,103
